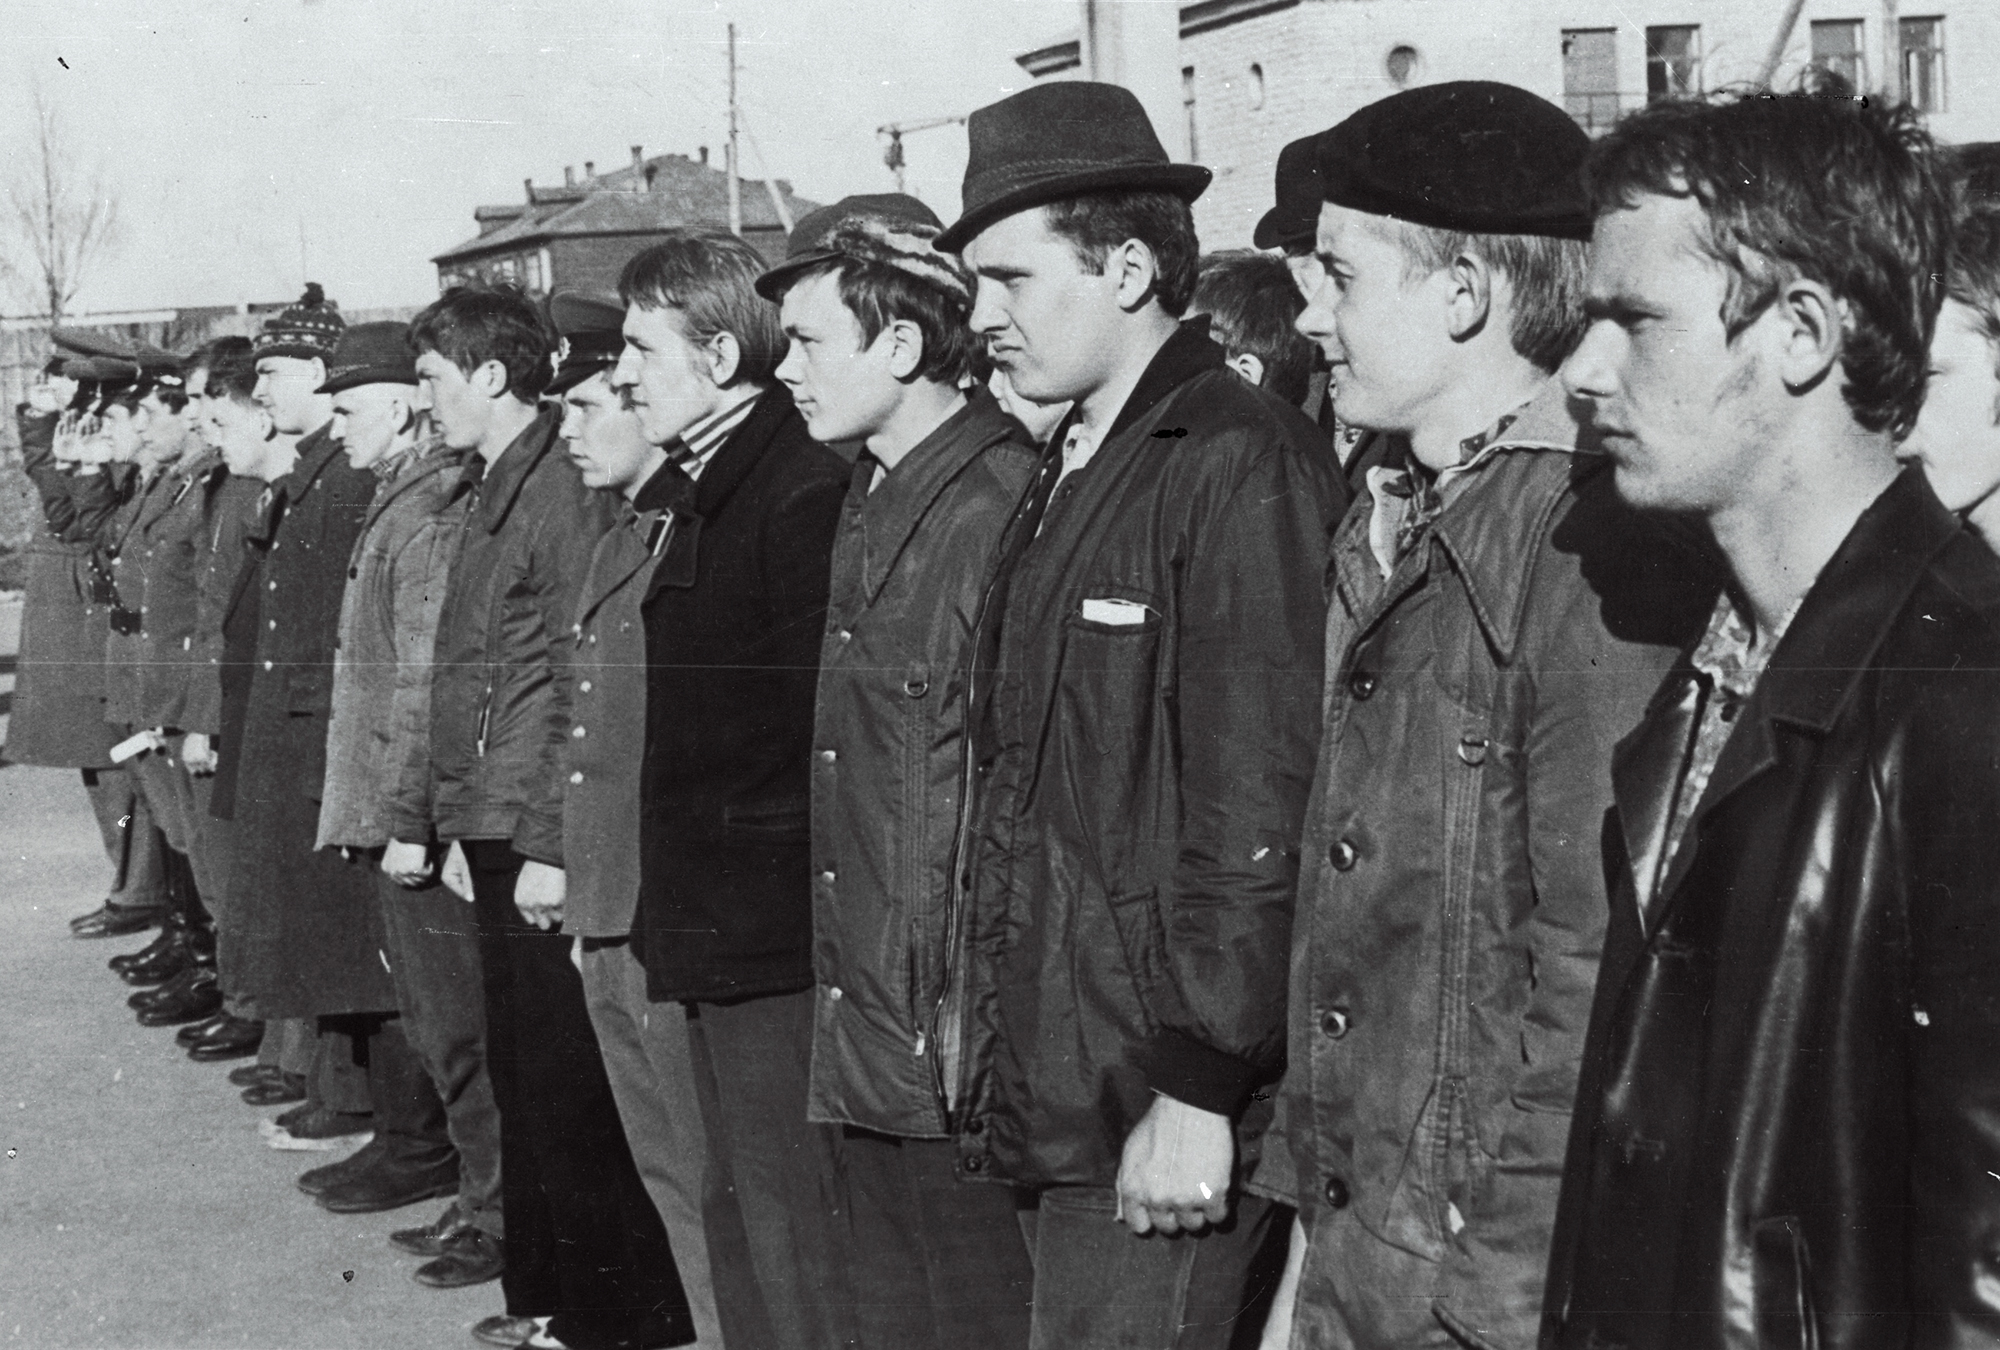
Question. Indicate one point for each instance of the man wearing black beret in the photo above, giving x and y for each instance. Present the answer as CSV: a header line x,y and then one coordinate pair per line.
x,y
1499,619
1143,699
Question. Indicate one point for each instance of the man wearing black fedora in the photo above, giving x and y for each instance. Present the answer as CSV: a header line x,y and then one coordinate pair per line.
x,y
1498,619
1143,705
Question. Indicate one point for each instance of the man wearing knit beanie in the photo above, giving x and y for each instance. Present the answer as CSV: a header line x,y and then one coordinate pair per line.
x,y
1498,620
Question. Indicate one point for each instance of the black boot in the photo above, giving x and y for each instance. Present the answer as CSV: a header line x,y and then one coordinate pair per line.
x,y
124,960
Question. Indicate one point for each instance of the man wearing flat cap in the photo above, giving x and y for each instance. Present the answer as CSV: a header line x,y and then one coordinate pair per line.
x,y
1142,700
644,1044
438,1127
1499,619
882,354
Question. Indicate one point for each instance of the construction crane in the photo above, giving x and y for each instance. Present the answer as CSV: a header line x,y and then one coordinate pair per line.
x,y
895,131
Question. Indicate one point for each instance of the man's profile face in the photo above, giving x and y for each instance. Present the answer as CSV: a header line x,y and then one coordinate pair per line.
x,y
459,411
1957,436
1674,400
123,432
603,437
285,386
843,387
1386,334
1047,321
366,419
240,431
666,376
196,413
163,430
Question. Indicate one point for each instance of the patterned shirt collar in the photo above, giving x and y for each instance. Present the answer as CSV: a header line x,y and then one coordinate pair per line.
x,y
1408,499
697,444
1730,654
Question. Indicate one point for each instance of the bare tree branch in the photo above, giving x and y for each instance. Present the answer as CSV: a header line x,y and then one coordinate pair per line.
x,y
65,214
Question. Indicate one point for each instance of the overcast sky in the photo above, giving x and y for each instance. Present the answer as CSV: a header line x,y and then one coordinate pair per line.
x,y
256,144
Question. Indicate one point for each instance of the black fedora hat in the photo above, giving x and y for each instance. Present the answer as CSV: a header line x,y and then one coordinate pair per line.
x,y
371,353
1061,140
1294,219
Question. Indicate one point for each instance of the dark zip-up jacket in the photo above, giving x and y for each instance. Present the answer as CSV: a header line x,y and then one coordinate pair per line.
x,y
1145,706
733,615
500,689
1788,1129
909,566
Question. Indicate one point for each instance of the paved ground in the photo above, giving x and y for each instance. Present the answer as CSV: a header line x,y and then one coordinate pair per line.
x,y
138,1205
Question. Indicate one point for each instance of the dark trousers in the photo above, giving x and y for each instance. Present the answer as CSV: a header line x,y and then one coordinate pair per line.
x,y
433,949
939,1263
751,1064
130,840
410,1130
585,1246
1100,1287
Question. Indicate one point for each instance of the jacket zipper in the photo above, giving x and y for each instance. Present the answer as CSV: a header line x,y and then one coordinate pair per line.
x,y
485,716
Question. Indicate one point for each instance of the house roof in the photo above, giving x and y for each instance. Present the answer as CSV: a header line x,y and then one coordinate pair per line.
x,y
683,193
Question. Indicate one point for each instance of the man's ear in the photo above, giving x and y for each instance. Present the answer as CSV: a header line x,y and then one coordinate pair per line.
x,y
1248,366
1813,329
1136,273
906,351
724,357
1469,300
489,378
319,370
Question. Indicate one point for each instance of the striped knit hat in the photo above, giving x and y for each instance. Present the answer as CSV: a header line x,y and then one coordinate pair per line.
x,y
889,228
310,328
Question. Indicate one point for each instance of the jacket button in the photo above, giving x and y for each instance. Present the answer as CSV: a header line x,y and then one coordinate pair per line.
x,y
975,1163
827,756
1334,1022
827,876
1336,1192
576,778
846,636
267,665
577,732
976,1125
916,688
583,687
1342,856
834,993
1361,684
274,585
274,623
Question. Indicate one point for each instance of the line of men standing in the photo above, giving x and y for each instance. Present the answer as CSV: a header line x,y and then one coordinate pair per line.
x,y
1561,881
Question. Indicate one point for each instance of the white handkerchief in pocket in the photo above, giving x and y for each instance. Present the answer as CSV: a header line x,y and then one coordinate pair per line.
x,y
1118,613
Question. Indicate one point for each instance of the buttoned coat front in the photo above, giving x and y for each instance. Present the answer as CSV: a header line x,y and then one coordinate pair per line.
x,y
1451,903
1788,1130
909,566
607,744
378,742
156,568
306,927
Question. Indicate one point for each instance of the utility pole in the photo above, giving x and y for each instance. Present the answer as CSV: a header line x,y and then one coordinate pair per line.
x,y
1779,41
1892,52
895,131
735,164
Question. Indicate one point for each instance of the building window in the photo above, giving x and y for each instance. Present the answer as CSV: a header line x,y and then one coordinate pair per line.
x,y
1837,49
1923,63
1401,65
1673,62
1590,76
1187,106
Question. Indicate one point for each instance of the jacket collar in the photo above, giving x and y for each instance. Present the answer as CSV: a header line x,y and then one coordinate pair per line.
x,y
1831,643
1499,507
694,500
423,465
1187,352
891,513
500,482
316,450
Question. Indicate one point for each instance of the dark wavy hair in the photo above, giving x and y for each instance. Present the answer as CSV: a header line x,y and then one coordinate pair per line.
x,y
1252,305
232,369
711,278
1972,276
1094,223
471,325
877,295
1820,184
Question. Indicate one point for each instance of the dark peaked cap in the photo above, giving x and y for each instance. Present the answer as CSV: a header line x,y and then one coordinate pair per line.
x,y
1058,140
1470,155
592,330
1294,220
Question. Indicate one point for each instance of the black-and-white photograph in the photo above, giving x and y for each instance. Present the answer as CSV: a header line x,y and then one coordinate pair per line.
x,y
1000,675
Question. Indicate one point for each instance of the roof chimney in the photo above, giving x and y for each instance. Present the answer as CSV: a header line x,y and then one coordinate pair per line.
x,y
638,158
569,175
590,170
528,186
704,154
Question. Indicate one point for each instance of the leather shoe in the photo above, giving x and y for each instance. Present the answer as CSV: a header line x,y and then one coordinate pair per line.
x,y
470,1256
315,1180
430,1239
115,921
194,1031
286,1087
390,1185
249,1075
172,958
203,997
166,937
182,981
232,1038
502,1330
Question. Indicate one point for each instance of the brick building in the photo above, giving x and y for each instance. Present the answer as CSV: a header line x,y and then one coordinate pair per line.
x,y
1258,73
578,236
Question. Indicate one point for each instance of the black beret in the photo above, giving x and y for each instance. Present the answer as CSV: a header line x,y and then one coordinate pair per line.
x,y
1471,155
